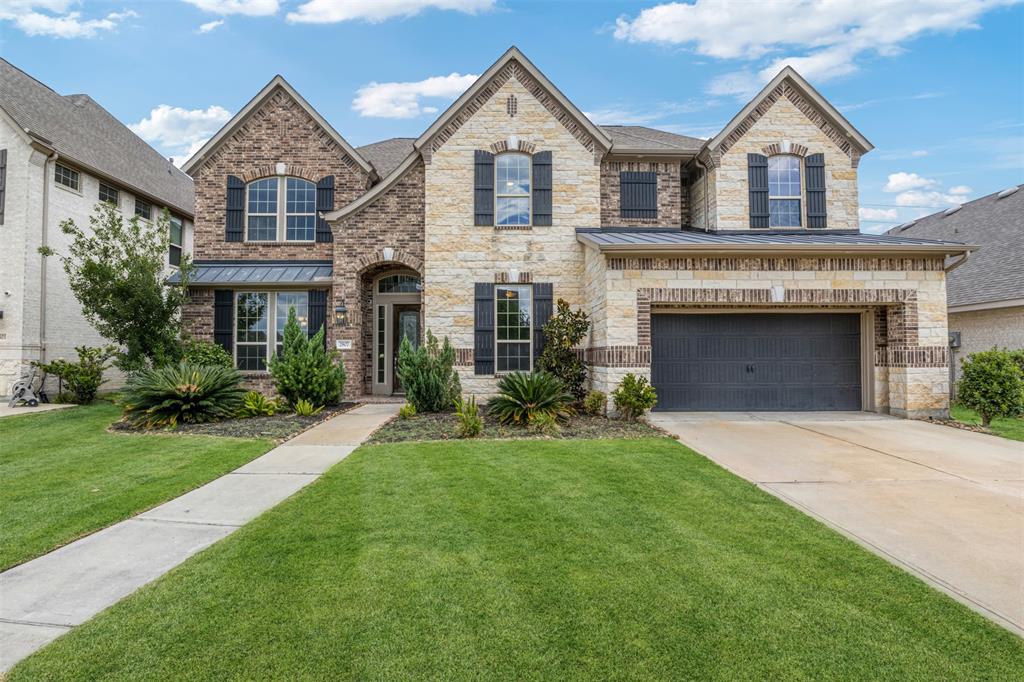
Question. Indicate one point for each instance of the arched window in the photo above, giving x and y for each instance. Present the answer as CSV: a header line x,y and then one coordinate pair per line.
x,y
784,191
268,219
512,189
399,284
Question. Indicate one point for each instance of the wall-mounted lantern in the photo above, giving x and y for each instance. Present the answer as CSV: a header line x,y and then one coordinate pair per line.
x,y
341,316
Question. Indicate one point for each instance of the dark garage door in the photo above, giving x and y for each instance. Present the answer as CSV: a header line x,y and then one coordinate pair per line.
x,y
782,361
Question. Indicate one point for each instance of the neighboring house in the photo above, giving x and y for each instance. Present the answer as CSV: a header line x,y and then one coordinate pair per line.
x,y
986,295
59,156
730,271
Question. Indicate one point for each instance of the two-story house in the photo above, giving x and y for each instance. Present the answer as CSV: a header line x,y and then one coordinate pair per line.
x,y
730,271
59,156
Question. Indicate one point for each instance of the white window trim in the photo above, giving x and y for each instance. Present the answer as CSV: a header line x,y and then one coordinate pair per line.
x,y
135,209
799,197
271,342
117,204
282,214
497,344
73,190
181,246
528,196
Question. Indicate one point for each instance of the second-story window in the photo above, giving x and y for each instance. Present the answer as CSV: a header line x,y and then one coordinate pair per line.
x,y
68,177
784,191
512,189
109,194
269,219
143,209
174,256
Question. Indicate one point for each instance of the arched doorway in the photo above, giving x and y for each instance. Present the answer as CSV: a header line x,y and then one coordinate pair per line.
x,y
396,314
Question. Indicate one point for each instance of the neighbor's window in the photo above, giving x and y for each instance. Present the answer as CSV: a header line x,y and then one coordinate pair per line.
x,y
513,327
108,193
252,316
268,219
68,177
143,208
174,256
285,301
783,191
512,189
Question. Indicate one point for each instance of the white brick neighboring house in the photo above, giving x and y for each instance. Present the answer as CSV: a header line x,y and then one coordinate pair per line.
x,y
55,152
986,295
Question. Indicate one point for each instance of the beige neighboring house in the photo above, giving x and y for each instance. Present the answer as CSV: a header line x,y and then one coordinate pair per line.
x,y
59,156
986,295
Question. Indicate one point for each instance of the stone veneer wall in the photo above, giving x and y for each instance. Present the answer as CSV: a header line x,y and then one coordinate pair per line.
x,y
909,295
458,254
673,194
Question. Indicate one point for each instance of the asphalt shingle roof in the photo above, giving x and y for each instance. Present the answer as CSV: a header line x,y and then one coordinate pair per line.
x,y
642,137
259,273
995,272
85,133
387,155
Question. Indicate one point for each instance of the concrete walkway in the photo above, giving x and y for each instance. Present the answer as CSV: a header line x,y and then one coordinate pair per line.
x,y
42,599
8,411
943,503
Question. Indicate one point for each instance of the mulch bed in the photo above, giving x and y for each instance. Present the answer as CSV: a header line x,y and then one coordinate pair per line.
x,y
441,426
280,427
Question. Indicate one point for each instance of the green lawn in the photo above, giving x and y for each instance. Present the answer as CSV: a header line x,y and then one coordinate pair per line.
x,y
1007,427
535,560
63,475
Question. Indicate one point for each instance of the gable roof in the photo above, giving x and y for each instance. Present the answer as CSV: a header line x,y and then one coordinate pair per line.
x,y
996,224
88,136
789,74
387,155
236,121
641,139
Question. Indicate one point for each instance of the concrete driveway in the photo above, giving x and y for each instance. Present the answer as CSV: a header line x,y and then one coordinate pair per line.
x,y
945,504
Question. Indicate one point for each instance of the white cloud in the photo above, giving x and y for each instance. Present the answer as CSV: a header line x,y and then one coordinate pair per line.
x,y
918,153
402,100
251,8
627,114
915,191
928,199
180,132
878,214
58,21
210,25
334,11
901,182
960,189
828,36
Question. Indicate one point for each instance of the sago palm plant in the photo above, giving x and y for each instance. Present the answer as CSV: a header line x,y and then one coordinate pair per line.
x,y
183,393
524,396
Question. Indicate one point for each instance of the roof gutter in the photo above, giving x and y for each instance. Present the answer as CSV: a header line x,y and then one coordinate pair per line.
x,y
950,267
662,249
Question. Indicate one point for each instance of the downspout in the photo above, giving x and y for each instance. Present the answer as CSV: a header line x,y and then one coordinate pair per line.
x,y
44,242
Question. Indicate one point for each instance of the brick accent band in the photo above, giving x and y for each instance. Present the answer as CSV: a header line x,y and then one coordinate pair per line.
x,y
751,264
502,278
916,356
463,357
619,356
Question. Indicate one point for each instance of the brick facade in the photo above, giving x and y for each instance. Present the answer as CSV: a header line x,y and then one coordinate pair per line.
x,y
673,194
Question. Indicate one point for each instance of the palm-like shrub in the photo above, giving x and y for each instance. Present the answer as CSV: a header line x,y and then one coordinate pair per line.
x,y
470,424
183,393
524,396
304,370
428,374
255,404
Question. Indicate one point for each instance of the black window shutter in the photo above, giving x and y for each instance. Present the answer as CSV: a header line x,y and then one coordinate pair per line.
x,y
757,179
542,188
542,307
483,329
324,204
815,168
224,318
638,194
3,183
318,312
483,188
234,228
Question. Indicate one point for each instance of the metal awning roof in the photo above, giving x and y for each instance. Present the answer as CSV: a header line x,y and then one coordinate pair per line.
x,y
210,273
640,240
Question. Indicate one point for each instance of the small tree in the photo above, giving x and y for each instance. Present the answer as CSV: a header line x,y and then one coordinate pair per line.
x,y
562,333
304,370
82,379
428,374
117,271
992,384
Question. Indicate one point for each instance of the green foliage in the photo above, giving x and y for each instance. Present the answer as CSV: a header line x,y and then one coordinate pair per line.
x,y
1018,358
992,383
206,353
182,393
428,374
524,396
471,424
562,333
595,403
544,423
633,397
304,408
82,379
407,411
304,370
255,404
117,271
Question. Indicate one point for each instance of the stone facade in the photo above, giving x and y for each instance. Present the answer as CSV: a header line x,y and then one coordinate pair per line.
x,y
986,329
673,194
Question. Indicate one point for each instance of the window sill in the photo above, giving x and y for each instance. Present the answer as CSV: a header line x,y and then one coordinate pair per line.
x,y
71,190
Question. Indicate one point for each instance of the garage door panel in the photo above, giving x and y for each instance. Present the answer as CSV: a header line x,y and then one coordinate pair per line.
x,y
790,361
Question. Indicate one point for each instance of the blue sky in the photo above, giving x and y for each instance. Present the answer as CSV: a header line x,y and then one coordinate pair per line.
x,y
937,86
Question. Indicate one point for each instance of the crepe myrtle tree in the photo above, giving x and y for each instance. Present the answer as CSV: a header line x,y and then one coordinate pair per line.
x,y
117,269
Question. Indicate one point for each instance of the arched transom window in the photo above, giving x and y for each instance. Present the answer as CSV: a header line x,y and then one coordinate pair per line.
x,y
784,191
512,189
268,219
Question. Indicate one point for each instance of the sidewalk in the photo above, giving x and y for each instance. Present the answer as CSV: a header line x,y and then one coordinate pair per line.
x,y
42,599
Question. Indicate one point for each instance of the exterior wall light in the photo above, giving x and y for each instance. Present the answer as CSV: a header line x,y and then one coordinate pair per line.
x,y
341,316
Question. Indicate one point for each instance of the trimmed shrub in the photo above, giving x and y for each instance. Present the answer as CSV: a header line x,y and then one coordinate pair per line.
x,y
304,408
992,384
595,403
428,374
82,379
471,424
255,404
303,370
633,397
523,396
407,411
562,333
206,353
183,393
